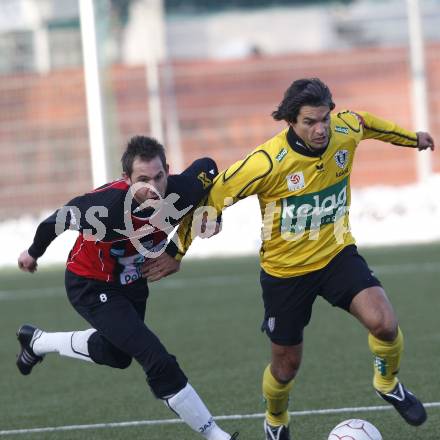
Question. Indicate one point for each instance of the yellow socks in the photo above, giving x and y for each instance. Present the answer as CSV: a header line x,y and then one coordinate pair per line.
x,y
386,361
276,395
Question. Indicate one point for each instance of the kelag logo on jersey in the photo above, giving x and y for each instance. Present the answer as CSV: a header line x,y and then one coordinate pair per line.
x,y
310,211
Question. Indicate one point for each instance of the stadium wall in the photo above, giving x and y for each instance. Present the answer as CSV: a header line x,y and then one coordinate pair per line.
x,y
223,110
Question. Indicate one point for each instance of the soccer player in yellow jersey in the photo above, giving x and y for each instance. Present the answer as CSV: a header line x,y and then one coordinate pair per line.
x,y
302,179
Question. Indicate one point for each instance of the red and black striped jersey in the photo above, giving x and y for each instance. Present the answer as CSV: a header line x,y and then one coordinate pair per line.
x,y
115,233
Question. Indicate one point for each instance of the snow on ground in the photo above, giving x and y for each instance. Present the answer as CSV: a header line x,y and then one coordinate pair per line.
x,y
379,216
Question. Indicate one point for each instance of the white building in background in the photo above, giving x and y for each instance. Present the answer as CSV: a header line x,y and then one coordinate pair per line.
x,y
278,30
234,34
39,35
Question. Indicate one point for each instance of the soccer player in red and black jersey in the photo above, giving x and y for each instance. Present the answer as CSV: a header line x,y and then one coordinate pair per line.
x,y
120,225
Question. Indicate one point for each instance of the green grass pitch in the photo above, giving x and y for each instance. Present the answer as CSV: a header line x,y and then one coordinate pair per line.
x,y
209,316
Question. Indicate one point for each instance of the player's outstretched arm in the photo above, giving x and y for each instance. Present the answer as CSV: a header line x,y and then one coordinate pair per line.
x,y
388,131
242,179
425,141
26,263
374,127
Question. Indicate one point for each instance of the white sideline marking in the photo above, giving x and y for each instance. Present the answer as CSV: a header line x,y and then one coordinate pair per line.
x,y
17,294
167,284
170,284
225,417
432,266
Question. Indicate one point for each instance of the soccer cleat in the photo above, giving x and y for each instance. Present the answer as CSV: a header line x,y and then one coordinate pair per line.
x,y
276,432
27,359
234,436
406,404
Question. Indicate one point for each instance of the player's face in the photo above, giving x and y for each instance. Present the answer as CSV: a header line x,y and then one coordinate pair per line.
x,y
313,126
151,172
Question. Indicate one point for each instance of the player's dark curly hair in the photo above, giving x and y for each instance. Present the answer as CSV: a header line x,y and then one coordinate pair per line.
x,y
145,148
306,91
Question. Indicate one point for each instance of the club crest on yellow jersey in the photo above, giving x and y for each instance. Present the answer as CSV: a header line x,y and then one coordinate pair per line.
x,y
341,158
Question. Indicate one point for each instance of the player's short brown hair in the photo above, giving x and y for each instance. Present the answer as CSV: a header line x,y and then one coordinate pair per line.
x,y
146,148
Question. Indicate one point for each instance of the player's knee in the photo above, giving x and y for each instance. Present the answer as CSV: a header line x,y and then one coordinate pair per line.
x,y
285,369
121,361
285,374
386,329
165,377
286,361
103,352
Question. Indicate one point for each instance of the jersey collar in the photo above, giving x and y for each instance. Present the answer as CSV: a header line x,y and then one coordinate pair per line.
x,y
298,145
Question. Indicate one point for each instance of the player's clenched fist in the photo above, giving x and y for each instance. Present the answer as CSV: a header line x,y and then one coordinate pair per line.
x,y
27,263
425,141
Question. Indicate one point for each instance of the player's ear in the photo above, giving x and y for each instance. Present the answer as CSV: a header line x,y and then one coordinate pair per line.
x,y
126,178
167,169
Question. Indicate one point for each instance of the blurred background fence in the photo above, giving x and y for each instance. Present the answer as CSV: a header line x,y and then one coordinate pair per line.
x,y
222,69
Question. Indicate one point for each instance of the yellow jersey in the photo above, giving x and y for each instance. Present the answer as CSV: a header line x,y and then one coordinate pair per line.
x,y
304,199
